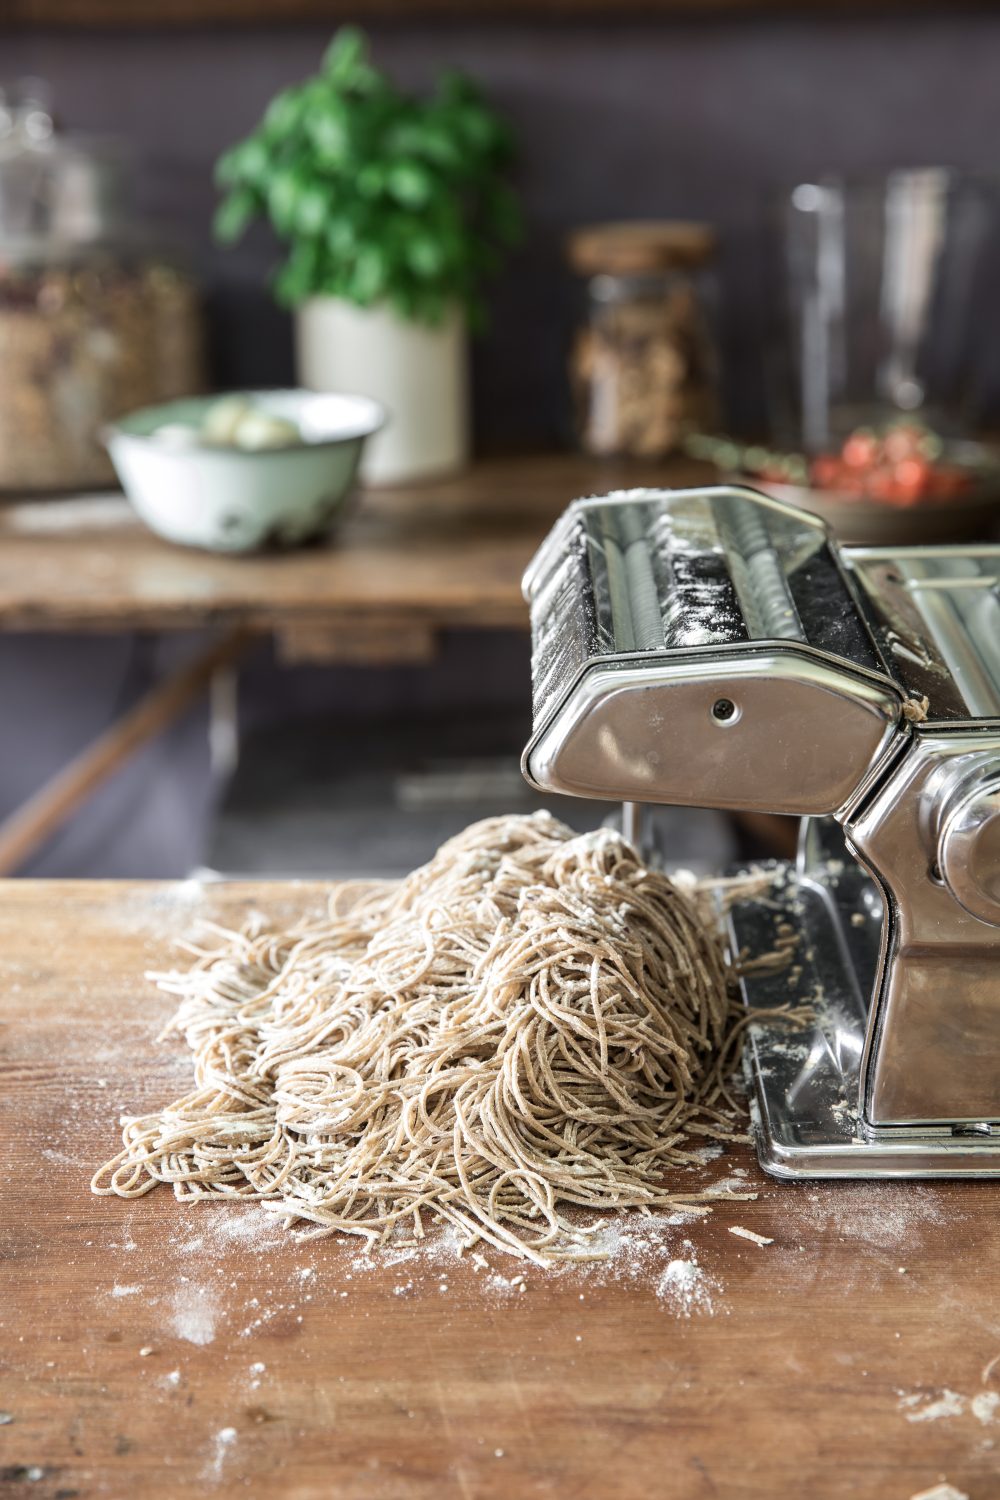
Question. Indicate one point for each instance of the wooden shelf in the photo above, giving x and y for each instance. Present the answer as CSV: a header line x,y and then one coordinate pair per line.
x,y
419,557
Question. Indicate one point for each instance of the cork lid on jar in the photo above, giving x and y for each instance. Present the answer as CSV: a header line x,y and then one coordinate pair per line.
x,y
638,247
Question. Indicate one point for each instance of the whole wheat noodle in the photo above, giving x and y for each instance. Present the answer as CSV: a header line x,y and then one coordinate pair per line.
x,y
530,1024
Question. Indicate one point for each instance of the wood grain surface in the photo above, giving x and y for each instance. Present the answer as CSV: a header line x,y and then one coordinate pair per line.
x,y
441,554
149,1348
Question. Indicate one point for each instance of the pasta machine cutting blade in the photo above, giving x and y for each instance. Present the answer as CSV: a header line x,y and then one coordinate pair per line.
x,y
717,648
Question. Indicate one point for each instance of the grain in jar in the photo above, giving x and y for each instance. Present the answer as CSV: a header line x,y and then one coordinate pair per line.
x,y
642,366
96,317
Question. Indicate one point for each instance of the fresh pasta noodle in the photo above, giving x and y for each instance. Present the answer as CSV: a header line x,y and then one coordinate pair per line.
x,y
530,1025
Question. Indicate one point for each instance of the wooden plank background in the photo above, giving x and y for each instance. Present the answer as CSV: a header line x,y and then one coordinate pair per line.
x,y
854,1356
441,553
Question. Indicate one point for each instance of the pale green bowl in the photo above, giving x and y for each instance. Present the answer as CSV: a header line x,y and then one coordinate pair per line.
x,y
231,500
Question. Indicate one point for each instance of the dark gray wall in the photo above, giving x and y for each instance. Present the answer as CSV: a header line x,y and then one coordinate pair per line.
x,y
57,695
689,118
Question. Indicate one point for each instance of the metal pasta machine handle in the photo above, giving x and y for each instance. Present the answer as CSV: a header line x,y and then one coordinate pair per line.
x,y
716,648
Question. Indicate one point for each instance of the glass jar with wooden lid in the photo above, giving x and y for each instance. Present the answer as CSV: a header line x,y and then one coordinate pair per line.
x,y
642,366
97,315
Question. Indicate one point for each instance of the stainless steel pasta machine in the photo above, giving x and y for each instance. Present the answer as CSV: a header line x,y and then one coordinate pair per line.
x,y
717,648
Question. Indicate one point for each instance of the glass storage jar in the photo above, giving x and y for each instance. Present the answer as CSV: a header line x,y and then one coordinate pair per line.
x,y
882,280
96,318
642,366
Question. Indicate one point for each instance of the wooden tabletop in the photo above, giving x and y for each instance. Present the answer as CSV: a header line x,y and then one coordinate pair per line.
x,y
444,553
150,1349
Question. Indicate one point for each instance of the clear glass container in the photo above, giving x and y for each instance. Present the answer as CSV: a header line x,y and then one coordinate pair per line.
x,y
642,365
96,317
882,288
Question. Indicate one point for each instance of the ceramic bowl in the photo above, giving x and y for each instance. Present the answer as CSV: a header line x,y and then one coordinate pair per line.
x,y
972,516
233,500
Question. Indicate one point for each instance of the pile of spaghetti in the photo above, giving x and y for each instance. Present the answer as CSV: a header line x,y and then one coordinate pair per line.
x,y
531,1025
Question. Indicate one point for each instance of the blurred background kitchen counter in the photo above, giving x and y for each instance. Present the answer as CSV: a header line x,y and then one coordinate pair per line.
x,y
704,118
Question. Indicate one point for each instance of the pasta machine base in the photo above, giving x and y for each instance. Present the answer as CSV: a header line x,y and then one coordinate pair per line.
x,y
805,1081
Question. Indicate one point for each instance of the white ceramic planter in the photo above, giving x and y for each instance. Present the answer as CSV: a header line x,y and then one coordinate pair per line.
x,y
418,373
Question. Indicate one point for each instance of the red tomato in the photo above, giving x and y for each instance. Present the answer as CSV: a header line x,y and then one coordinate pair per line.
x,y
912,476
826,472
861,450
883,487
903,441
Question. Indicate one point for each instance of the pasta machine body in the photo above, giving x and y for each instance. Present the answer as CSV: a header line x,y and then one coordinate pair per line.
x,y
717,648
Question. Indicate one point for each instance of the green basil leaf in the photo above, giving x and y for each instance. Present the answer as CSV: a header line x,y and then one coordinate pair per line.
x,y
330,134
371,179
345,55
369,275
341,235
410,183
283,114
233,215
248,163
282,200
312,208
425,255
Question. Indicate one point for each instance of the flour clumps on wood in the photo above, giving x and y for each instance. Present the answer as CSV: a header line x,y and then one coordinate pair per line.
x,y
984,1407
195,1313
922,1408
684,1285
224,1441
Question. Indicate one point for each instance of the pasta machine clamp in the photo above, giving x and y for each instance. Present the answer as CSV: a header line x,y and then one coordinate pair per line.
x,y
717,648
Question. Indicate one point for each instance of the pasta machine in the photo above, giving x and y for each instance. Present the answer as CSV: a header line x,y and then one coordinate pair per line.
x,y
717,648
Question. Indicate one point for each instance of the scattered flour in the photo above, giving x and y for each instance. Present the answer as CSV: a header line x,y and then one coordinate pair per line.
x,y
918,1406
707,1153
881,1214
733,1186
941,1492
60,1158
633,1247
224,1441
195,1313
215,1227
984,1406
922,1408
125,1291
255,1228
686,1288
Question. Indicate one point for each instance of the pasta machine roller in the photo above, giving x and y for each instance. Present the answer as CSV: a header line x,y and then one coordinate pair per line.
x,y
717,648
